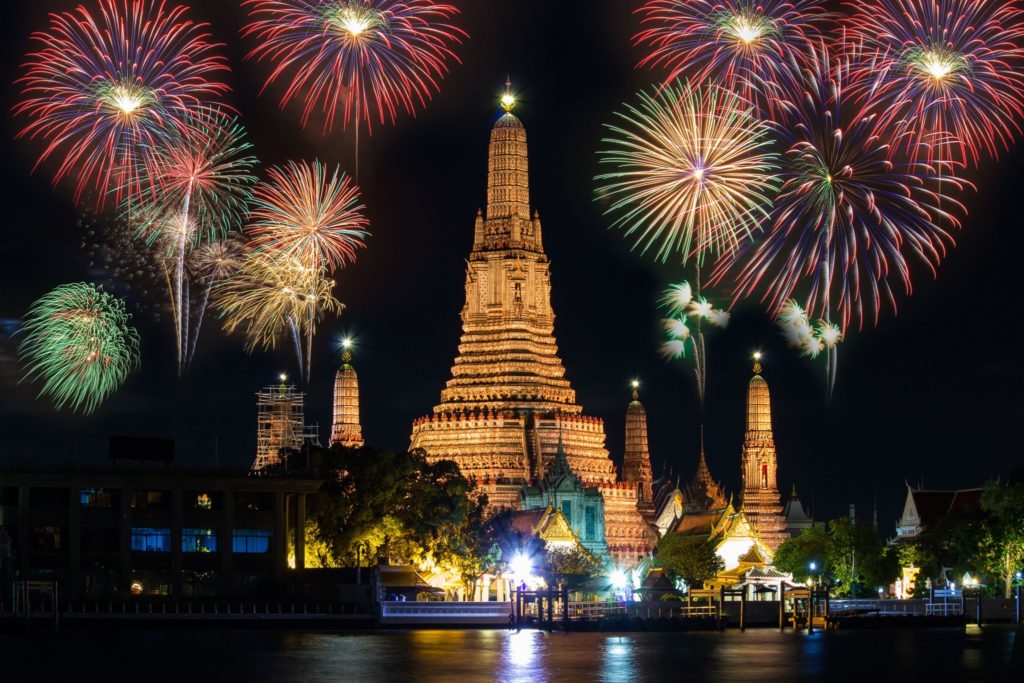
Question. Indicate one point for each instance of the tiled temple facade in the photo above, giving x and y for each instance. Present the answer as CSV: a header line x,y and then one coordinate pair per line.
x,y
761,501
345,427
508,404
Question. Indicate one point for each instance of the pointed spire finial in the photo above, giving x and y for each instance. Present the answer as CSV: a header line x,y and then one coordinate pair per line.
x,y
636,389
508,100
346,353
757,362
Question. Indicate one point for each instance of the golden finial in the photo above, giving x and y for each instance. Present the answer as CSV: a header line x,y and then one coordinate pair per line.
x,y
346,355
636,389
508,100
757,362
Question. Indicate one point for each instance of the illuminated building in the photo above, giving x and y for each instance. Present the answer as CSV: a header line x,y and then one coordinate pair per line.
x,y
760,495
636,463
345,427
925,509
733,537
279,423
508,403
581,506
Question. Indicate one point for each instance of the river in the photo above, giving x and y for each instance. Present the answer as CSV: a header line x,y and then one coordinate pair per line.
x,y
468,656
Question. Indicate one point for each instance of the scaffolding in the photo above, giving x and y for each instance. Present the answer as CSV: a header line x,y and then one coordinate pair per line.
x,y
280,423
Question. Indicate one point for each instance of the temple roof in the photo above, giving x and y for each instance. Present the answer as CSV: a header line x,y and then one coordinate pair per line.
x,y
794,509
932,506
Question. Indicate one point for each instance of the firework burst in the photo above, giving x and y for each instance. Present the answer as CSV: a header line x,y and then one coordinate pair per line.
x,y
359,60
78,342
274,298
947,70
198,189
694,175
848,220
725,41
105,84
310,215
693,171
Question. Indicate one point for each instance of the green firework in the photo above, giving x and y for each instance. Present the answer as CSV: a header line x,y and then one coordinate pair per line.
x,y
79,344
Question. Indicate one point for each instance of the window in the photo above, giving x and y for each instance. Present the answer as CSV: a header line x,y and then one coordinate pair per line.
x,y
98,538
251,541
149,499
96,498
46,537
50,498
148,540
199,540
256,502
591,523
204,502
567,510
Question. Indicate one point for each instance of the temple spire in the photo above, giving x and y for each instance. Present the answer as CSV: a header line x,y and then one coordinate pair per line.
x,y
346,429
760,498
636,462
508,178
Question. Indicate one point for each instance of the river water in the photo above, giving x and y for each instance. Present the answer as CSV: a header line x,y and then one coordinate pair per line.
x,y
466,656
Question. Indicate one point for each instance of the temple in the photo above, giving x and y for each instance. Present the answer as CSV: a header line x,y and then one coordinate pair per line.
x,y
508,408
703,493
636,461
345,427
761,501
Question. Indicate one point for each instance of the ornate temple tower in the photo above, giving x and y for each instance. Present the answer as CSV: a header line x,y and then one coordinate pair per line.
x,y
703,493
345,427
500,412
636,463
761,501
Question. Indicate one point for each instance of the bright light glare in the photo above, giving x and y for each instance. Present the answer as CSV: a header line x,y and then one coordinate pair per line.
x,y
746,31
346,343
521,567
618,579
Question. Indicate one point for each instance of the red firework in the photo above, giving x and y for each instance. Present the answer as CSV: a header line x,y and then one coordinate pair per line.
x,y
368,58
726,41
950,71
104,85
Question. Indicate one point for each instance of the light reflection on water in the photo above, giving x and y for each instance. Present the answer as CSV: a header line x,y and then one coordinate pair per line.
x,y
464,656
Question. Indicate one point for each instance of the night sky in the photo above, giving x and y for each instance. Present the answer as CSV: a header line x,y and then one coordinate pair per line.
x,y
932,395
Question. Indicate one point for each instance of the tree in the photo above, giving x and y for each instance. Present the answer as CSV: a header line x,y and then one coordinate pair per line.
x,y
573,566
394,506
856,553
1000,545
796,554
838,550
690,558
